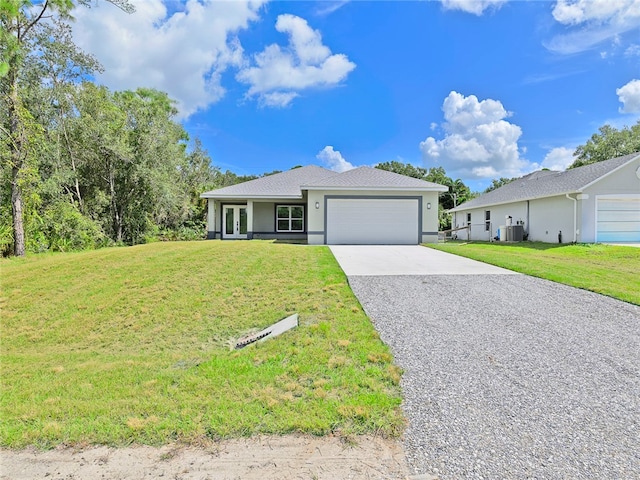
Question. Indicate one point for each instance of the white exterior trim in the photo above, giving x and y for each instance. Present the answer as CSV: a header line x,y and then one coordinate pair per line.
x,y
252,197
381,189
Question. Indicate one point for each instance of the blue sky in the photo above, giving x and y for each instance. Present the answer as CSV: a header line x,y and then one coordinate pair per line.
x,y
483,88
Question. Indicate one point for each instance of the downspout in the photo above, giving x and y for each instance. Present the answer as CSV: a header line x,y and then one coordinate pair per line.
x,y
575,216
528,229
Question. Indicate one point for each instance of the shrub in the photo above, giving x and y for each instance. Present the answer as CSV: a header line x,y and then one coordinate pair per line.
x,y
66,229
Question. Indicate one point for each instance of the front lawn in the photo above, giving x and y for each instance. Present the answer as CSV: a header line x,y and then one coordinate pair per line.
x,y
607,269
133,345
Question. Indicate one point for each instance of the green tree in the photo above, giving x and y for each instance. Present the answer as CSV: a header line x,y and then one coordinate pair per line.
x,y
134,170
197,176
104,156
498,182
608,143
151,194
55,107
403,169
18,22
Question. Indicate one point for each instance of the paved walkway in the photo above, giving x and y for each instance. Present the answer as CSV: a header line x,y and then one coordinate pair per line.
x,y
407,260
505,376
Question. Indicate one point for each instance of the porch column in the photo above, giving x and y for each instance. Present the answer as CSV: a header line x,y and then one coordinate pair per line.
x,y
249,219
211,218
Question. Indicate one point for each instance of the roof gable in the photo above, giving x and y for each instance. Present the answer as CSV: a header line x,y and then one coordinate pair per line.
x,y
281,185
290,184
363,178
545,183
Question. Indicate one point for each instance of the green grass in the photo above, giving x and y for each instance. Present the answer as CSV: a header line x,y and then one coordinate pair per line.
x,y
132,345
607,269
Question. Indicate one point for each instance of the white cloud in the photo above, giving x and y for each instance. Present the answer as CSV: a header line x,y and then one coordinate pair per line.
x,y
478,142
575,12
557,159
477,7
329,7
305,63
629,95
334,159
549,77
632,50
183,53
593,21
277,99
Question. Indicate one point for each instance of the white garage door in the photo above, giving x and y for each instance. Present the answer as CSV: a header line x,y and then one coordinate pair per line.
x,y
356,221
618,219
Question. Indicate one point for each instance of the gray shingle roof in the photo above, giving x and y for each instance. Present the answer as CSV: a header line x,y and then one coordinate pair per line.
x,y
283,185
548,183
362,178
290,184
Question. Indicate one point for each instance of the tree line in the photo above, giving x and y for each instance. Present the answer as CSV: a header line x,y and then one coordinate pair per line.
x,y
83,166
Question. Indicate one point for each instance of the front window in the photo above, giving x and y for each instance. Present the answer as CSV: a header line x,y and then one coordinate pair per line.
x,y
290,218
487,220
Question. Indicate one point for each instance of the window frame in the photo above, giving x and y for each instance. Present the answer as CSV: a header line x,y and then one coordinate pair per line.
x,y
290,219
487,220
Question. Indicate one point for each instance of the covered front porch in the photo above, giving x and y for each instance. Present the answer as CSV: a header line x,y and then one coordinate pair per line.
x,y
234,219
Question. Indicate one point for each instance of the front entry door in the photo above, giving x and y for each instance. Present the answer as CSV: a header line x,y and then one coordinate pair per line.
x,y
235,222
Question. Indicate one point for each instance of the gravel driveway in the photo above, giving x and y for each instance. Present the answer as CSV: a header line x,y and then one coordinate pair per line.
x,y
509,376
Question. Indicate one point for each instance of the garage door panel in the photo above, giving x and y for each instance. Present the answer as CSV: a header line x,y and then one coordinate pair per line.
x,y
618,237
372,221
622,204
618,216
618,219
618,226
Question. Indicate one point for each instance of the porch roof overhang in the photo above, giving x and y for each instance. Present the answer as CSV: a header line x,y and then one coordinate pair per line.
x,y
251,197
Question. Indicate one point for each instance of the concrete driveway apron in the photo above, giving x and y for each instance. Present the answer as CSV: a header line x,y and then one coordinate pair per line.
x,y
407,260
505,375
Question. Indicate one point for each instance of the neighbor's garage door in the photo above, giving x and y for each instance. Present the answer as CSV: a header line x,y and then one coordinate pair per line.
x,y
618,219
356,221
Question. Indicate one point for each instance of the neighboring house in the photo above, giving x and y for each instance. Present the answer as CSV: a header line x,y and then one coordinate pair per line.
x,y
361,206
594,203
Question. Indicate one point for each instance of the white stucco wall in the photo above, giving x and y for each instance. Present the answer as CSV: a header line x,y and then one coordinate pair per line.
x,y
315,218
543,219
548,217
621,182
498,213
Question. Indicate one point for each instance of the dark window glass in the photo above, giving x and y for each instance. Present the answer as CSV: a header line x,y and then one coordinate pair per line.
x,y
290,218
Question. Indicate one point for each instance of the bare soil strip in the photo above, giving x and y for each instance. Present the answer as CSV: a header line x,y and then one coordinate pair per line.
x,y
283,457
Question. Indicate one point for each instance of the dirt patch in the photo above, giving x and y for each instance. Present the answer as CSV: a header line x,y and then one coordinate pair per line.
x,y
286,457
